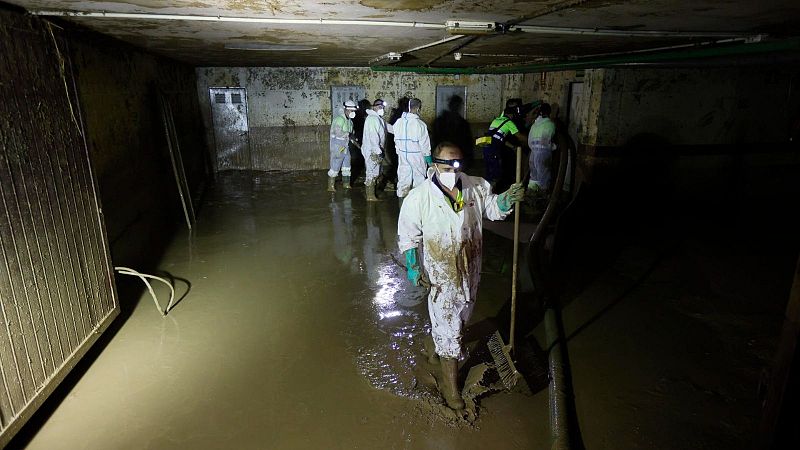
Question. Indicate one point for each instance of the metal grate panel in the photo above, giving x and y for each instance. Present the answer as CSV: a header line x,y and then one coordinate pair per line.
x,y
56,284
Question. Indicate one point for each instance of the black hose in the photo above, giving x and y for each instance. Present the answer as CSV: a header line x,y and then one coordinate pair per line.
x,y
559,386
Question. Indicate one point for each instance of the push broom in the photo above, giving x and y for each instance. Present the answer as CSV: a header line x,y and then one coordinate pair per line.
x,y
501,353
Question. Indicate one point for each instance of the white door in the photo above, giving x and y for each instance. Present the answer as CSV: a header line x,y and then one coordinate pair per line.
x,y
340,94
445,93
231,131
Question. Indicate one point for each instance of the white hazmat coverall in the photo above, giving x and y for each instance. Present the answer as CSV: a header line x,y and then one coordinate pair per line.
x,y
372,144
413,144
452,249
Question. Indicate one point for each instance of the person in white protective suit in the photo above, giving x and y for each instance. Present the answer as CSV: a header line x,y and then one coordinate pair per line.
x,y
373,142
443,215
341,129
413,146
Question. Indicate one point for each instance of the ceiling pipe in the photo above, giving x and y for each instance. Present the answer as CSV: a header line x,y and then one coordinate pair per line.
x,y
455,48
678,55
270,20
502,28
395,57
623,33
433,44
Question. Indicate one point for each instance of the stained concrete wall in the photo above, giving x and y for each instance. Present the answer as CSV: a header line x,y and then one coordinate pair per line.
x,y
715,139
711,106
289,109
118,86
554,88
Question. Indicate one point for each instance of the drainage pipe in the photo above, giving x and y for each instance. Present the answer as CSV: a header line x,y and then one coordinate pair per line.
x,y
559,389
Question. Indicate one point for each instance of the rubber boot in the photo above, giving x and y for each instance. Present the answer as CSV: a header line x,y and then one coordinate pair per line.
x,y
331,184
449,386
390,186
346,182
371,192
430,350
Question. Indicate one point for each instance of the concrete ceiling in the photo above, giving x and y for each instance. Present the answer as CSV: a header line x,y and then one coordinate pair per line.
x,y
203,43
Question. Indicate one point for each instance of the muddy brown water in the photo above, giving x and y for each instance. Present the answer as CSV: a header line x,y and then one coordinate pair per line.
x,y
299,332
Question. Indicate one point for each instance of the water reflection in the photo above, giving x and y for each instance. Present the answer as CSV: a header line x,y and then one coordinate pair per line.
x,y
389,317
342,223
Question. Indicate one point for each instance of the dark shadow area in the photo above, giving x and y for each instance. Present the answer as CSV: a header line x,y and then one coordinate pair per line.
x,y
172,279
129,291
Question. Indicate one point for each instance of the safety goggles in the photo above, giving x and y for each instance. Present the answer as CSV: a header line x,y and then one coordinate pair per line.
x,y
454,163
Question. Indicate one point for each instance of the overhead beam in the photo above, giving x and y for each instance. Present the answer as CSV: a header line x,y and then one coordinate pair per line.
x,y
698,52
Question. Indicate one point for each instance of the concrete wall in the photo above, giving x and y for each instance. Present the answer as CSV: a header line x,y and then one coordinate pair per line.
x,y
289,108
715,139
554,88
118,86
710,106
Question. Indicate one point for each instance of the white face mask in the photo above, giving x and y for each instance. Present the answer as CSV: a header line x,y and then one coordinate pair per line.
x,y
448,179
380,112
351,115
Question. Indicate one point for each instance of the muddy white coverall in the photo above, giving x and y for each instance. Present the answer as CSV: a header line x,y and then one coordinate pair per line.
x,y
451,252
341,127
373,142
540,140
413,144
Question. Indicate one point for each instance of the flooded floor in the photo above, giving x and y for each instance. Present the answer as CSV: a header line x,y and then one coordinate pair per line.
x,y
300,332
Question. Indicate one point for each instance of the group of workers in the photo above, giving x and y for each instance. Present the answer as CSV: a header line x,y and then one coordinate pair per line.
x,y
518,125
411,142
442,209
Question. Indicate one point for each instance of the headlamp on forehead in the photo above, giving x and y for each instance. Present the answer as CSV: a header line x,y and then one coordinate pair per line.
x,y
454,163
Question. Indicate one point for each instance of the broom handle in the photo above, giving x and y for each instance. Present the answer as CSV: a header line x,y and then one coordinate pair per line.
x,y
516,256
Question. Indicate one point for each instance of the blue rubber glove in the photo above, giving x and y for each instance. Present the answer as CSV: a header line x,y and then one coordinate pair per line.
x,y
507,199
429,160
412,267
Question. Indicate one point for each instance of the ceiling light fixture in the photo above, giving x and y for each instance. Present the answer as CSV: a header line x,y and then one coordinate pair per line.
x,y
258,46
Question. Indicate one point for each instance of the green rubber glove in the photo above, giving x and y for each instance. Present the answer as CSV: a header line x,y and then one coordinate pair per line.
x,y
429,160
507,199
412,267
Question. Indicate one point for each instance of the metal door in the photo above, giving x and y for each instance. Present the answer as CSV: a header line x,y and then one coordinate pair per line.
x,y
340,94
573,121
231,132
445,93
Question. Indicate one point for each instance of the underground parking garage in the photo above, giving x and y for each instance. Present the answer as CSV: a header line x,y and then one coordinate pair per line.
x,y
566,224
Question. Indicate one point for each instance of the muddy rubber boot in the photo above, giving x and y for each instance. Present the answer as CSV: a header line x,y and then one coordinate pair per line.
x,y
331,184
371,193
390,186
346,182
430,350
449,386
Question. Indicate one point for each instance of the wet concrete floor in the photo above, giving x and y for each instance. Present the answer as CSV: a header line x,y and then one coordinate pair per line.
x,y
300,332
